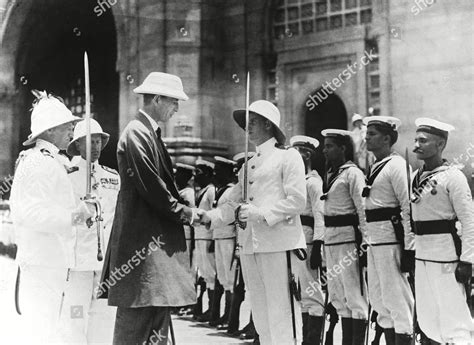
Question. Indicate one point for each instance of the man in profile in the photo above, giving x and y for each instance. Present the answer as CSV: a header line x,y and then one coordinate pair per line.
x,y
147,234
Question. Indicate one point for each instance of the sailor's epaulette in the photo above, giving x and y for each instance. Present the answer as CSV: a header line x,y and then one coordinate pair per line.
x,y
110,170
45,152
71,169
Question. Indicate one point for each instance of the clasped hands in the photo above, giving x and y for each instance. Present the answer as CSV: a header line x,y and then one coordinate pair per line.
x,y
243,213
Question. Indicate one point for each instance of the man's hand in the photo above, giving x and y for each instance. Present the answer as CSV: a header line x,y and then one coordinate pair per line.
x,y
84,211
204,218
249,212
463,272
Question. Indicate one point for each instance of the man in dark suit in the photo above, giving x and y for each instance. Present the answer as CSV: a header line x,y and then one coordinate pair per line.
x,y
146,272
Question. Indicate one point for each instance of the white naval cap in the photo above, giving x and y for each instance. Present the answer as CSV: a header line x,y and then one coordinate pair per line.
x,y
185,167
241,155
223,160
205,163
388,121
425,124
333,132
356,117
304,141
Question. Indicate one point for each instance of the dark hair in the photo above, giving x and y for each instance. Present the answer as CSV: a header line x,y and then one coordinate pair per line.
x,y
386,130
345,140
182,177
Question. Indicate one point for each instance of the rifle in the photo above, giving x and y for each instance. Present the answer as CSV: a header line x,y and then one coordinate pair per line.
x,y
89,198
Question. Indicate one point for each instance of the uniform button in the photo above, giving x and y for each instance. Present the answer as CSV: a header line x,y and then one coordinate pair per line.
x,y
253,166
251,198
259,154
250,182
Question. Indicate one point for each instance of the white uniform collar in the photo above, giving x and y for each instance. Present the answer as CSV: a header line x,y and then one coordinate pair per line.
x,y
82,164
153,123
267,146
43,144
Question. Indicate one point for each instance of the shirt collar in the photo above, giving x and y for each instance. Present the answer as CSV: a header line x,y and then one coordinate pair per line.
x,y
267,146
153,123
82,164
43,144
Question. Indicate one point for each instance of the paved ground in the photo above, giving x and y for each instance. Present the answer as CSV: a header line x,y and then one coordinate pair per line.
x,y
187,332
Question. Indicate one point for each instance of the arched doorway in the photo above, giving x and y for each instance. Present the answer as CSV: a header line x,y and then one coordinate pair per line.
x,y
321,113
49,57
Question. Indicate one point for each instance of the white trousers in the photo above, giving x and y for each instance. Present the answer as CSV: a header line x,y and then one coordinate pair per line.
x,y
312,300
443,314
40,298
389,291
224,254
343,279
205,262
84,318
266,278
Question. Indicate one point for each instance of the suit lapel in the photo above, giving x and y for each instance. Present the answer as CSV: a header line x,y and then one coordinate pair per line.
x,y
163,155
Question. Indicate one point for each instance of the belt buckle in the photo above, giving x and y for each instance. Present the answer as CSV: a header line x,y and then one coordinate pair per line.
x,y
394,219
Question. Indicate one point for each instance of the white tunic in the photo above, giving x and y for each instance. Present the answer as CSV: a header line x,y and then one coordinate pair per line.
x,y
314,207
227,230
452,200
390,190
205,198
105,185
345,197
42,203
277,187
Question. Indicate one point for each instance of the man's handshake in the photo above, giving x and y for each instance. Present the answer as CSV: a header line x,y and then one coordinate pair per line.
x,y
243,214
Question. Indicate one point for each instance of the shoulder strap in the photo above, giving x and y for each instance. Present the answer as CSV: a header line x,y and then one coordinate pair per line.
x,y
201,196
327,183
372,175
219,194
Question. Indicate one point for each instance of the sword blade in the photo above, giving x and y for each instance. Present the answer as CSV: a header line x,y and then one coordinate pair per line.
x,y
247,97
88,126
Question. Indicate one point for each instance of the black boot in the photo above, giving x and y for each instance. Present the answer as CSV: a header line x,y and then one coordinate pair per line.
x,y
389,336
346,331
315,327
359,328
304,318
216,305
224,320
206,316
403,339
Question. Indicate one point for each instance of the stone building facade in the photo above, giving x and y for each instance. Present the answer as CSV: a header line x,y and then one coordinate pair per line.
x,y
320,61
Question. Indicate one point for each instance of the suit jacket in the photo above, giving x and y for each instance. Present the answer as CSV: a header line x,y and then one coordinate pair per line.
x,y
145,263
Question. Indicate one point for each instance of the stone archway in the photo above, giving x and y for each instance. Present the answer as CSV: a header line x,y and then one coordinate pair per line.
x,y
42,45
323,110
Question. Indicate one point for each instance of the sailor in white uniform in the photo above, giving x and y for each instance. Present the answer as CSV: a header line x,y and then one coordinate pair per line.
x,y
391,242
444,254
344,223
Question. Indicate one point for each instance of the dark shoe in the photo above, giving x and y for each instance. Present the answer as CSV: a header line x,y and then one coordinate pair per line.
x,y
359,328
315,327
403,339
256,340
346,331
389,336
